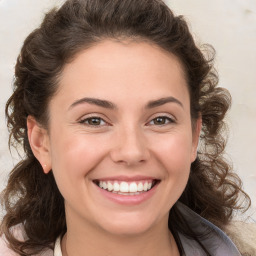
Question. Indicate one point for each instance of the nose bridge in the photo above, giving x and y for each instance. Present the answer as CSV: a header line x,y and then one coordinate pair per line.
x,y
131,146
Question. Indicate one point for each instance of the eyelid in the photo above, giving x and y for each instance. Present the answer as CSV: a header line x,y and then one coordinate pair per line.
x,y
84,118
169,117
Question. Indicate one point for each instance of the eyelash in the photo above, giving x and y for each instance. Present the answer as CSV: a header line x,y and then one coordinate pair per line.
x,y
167,120
87,120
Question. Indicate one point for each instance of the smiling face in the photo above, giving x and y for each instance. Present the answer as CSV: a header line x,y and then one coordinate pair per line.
x,y
120,141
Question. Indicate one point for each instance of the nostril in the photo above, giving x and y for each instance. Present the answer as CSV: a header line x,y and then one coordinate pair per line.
x,y
130,148
129,157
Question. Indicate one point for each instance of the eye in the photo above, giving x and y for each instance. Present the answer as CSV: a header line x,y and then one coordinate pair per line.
x,y
93,121
161,120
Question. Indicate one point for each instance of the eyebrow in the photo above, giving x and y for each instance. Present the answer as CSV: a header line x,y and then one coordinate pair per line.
x,y
94,101
110,105
162,101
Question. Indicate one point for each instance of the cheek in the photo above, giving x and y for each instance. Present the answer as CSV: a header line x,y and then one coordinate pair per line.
x,y
74,156
173,155
174,151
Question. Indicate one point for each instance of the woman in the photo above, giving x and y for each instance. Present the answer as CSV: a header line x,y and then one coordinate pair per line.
x,y
110,99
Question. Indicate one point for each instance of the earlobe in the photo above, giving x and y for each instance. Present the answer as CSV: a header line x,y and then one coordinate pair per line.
x,y
39,143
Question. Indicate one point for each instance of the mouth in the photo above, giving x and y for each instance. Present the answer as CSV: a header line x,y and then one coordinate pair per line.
x,y
127,188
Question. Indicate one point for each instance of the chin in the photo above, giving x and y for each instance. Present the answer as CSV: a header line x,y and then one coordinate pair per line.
x,y
128,230
128,226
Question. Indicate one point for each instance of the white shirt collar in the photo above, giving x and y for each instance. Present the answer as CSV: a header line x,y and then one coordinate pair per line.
x,y
57,248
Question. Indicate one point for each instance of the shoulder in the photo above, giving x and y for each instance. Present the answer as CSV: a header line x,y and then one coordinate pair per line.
x,y
19,233
4,249
208,235
243,235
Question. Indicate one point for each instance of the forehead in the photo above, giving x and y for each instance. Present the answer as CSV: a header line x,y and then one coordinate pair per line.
x,y
120,69
112,54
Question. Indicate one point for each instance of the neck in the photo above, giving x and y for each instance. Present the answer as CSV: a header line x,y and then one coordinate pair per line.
x,y
93,241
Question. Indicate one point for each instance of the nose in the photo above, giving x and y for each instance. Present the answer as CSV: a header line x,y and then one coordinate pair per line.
x,y
130,148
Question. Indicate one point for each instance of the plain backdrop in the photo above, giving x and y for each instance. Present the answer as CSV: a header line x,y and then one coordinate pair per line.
x,y
228,25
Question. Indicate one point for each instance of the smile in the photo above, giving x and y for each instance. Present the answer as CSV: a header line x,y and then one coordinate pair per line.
x,y
126,188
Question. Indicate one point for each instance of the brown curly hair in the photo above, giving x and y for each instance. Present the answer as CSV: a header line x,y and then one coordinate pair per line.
x,y
32,198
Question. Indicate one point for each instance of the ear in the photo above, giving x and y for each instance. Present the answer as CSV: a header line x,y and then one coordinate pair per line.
x,y
195,140
39,143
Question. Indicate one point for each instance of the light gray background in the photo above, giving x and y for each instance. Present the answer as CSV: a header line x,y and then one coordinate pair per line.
x,y
229,25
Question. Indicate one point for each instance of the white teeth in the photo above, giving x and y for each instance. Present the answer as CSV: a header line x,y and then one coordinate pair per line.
x,y
124,187
110,186
116,186
132,188
105,186
145,187
140,187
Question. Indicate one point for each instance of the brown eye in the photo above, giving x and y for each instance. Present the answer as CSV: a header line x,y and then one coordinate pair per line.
x,y
161,120
93,121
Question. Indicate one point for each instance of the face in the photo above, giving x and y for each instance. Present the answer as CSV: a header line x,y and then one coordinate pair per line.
x,y
120,140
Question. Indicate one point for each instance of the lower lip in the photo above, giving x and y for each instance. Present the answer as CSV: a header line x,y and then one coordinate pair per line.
x,y
128,199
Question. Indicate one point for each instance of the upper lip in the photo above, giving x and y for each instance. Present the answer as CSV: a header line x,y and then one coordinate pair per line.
x,y
127,178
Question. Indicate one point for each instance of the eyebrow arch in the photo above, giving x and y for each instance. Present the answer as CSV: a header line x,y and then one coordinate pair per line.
x,y
110,105
162,101
94,101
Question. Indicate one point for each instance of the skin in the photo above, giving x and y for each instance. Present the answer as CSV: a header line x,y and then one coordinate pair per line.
x,y
128,140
